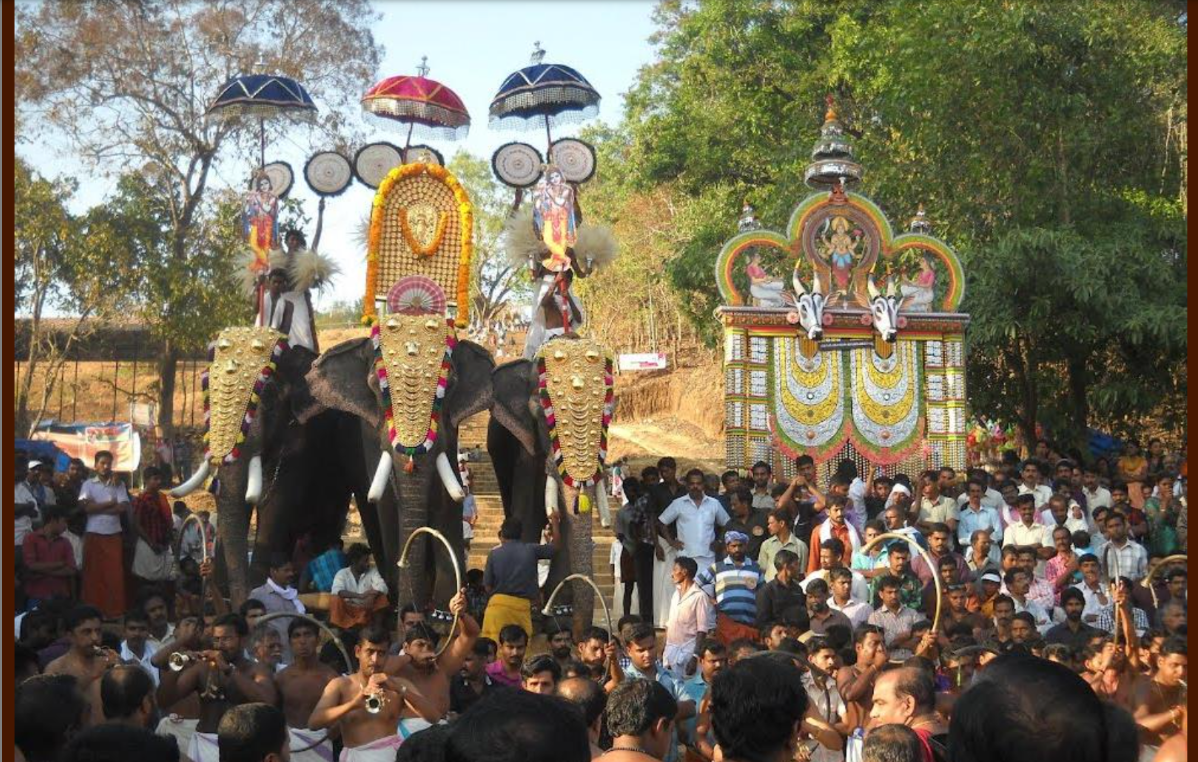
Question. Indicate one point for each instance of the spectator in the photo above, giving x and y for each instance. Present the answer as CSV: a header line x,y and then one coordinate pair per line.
x,y
695,517
934,507
198,538
513,642
691,612
975,514
840,583
518,726
119,743
153,524
895,743
757,710
940,545
49,560
1032,476
824,696
105,500
540,675
640,716
835,528
358,591
907,696
253,733
591,700
49,711
781,538
320,572
473,682
782,599
733,583
714,658
821,616
895,619
277,595
136,648
127,696
510,576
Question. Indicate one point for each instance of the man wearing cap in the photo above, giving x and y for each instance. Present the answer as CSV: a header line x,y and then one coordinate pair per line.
x,y
733,584
695,516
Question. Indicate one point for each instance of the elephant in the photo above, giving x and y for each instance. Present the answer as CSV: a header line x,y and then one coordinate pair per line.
x,y
266,461
405,440
522,449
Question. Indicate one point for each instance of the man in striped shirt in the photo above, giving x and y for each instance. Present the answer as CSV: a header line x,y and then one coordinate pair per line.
x,y
733,584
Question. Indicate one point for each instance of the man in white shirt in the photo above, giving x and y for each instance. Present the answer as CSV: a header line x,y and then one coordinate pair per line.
x,y
104,499
1097,496
692,616
25,507
1121,556
287,311
1027,532
1064,512
1017,581
358,590
992,498
1095,592
840,582
696,515
1031,484
136,648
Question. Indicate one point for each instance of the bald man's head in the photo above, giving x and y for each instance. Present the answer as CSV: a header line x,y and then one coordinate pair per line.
x,y
585,694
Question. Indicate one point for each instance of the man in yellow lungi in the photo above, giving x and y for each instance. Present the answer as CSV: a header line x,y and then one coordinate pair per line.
x,y
511,576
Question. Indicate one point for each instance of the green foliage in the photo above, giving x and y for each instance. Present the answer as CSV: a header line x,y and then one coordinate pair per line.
x,y
1043,138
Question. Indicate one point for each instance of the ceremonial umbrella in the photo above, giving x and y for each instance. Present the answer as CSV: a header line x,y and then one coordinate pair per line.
x,y
425,107
549,94
262,97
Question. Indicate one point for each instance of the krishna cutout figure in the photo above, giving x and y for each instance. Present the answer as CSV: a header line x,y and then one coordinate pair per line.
x,y
555,311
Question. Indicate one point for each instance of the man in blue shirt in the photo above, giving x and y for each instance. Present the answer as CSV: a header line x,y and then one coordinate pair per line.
x,y
733,584
714,657
644,665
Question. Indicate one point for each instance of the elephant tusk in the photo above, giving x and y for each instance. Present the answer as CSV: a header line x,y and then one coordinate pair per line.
x,y
381,475
602,504
253,482
449,479
550,495
192,484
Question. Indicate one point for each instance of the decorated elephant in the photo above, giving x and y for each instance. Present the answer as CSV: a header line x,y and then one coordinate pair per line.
x,y
548,439
410,384
264,460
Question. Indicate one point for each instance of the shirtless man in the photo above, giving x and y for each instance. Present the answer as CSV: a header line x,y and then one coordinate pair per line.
x,y
86,660
222,677
368,736
300,686
420,665
1160,702
180,714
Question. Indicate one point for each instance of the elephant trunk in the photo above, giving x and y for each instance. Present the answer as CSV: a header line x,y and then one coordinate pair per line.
x,y
382,473
449,478
253,482
580,542
194,483
233,530
602,504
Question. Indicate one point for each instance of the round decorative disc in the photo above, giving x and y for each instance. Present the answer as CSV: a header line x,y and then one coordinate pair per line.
x,y
281,177
575,158
517,165
374,161
328,173
422,154
416,295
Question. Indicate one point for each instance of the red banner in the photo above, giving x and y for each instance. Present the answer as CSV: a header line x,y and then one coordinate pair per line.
x,y
83,441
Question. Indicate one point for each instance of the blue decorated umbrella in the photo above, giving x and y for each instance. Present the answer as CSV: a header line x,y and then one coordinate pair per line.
x,y
262,97
543,94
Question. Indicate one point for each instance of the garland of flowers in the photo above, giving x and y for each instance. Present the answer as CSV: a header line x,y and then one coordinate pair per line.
x,y
434,424
551,422
466,223
251,409
410,239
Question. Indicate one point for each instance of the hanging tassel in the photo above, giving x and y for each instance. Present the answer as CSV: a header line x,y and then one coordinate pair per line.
x,y
410,466
214,487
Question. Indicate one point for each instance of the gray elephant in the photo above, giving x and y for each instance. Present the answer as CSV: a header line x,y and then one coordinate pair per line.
x,y
264,460
409,411
535,475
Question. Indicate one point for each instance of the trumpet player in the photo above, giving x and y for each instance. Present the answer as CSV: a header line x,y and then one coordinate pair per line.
x,y
222,678
367,704
87,660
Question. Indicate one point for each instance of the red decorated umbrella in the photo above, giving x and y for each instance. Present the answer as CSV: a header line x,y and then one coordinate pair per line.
x,y
422,106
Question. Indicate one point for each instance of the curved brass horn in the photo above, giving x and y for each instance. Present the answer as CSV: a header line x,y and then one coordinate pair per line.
x,y
1156,567
598,592
927,559
457,572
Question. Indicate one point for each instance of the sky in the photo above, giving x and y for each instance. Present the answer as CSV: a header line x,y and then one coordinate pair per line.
x,y
471,48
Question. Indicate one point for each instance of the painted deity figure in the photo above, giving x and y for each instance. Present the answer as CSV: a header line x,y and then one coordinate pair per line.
x,y
553,217
841,249
766,290
260,223
918,291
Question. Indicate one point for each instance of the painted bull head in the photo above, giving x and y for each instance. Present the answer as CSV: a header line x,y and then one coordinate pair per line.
x,y
809,307
412,363
243,360
884,310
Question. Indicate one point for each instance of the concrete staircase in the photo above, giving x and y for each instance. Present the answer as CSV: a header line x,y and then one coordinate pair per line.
x,y
490,515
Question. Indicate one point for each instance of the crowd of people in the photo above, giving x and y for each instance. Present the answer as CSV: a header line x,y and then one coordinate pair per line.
x,y
1028,611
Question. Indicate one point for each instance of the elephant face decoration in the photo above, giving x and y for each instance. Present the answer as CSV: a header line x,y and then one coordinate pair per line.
x,y
412,360
576,388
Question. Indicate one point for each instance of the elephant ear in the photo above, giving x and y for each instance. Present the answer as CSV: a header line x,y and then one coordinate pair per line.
x,y
514,385
470,391
342,378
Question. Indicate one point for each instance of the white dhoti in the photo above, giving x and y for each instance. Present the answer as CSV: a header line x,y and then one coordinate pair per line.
x,y
410,726
538,334
379,750
302,738
203,747
153,566
663,585
179,729
768,294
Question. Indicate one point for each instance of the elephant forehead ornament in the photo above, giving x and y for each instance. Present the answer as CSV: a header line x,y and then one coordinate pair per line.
x,y
241,361
412,360
576,389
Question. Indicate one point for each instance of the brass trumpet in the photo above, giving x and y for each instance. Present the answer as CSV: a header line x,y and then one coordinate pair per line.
x,y
375,703
180,660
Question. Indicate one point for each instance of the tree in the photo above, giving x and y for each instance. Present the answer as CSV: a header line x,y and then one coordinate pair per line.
x,y
496,281
60,263
144,71
1030,126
